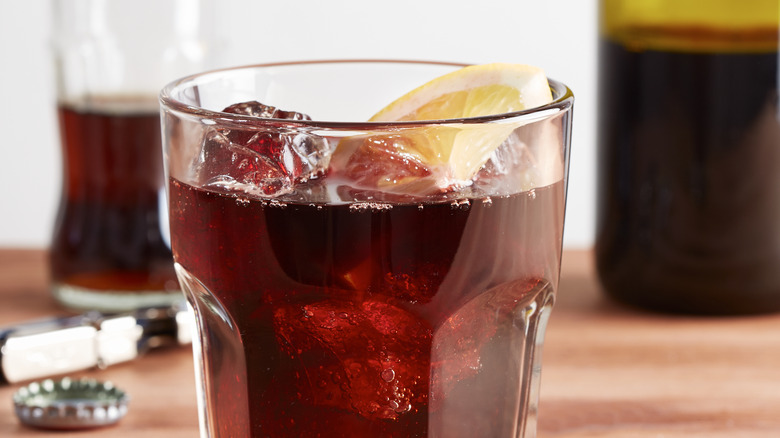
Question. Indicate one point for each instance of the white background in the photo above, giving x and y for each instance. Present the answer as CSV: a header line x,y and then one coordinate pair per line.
x,y
558,35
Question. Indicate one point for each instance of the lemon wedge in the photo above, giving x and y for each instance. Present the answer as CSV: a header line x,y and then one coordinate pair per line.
x,y
473,91
441,157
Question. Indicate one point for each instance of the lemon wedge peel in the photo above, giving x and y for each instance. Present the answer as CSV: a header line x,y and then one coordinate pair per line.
x,y
473,91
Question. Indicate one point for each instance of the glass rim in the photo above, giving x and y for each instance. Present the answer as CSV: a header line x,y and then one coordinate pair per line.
x,y
562,102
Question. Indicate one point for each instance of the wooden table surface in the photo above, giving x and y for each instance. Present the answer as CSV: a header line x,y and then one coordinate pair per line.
x,y
608,371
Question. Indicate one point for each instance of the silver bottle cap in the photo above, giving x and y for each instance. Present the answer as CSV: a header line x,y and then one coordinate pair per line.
x,y
70,404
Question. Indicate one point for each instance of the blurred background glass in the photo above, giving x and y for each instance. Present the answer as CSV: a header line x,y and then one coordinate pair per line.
x,y
110,248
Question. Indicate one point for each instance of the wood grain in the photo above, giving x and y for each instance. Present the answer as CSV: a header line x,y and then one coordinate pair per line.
x,y
609,371
161,385
612,371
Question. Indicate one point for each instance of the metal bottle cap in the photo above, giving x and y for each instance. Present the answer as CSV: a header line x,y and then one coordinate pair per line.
x,y
70,404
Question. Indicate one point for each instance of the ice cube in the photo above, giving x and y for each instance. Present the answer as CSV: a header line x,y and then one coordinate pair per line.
x,y
387,162
371,358
418,286
256,109
480,359
510,169
230,166
530,157
458,342
264,159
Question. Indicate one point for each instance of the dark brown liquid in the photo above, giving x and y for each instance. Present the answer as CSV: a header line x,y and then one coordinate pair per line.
x,y
367,321
108,235
689,180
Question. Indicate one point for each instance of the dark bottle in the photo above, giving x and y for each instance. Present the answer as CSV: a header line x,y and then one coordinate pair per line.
x,y
689,155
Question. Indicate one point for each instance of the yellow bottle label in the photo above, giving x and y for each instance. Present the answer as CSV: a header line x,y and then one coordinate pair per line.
x,y
731,26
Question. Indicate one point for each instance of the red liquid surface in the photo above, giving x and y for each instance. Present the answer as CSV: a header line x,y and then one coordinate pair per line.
x,y
365,321
108,235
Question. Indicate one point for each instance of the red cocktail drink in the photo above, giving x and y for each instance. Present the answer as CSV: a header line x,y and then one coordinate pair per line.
x,y
330,304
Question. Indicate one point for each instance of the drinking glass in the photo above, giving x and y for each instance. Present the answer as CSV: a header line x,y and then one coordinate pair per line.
x,y
328,302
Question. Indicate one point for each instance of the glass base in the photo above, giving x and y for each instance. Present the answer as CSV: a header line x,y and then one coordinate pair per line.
x,y
79,298
484,381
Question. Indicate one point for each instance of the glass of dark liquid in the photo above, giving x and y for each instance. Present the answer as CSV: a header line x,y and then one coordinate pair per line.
x,y
689,155
366,279
110,248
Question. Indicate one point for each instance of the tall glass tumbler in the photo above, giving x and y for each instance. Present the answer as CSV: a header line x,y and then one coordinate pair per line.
x,y
110,245
329,304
